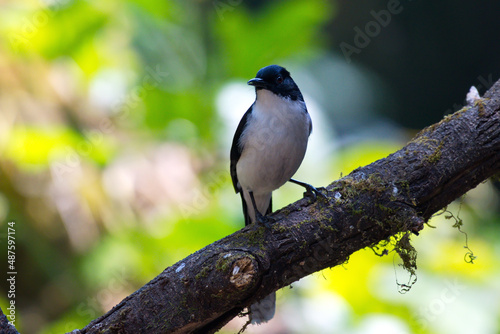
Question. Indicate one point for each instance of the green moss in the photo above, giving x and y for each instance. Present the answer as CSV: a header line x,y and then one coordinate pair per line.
x,y
400,243
282,228
256,238
352,188
480,107
425,141
446,119
408,255
252,238
385,209
433,144
356,212
327,227
404,185
203,273
394,221
436,156
224,261
354,192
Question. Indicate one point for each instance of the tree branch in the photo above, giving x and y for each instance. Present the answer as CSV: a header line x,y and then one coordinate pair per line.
x,y
202,292
5,326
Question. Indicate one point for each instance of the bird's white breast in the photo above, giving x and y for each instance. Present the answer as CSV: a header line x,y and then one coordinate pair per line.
x,y
275,142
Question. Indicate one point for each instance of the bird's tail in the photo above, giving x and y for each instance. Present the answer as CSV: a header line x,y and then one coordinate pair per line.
x,y
263,311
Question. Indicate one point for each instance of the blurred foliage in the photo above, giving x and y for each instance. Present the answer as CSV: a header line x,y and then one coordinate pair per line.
x,y
114,162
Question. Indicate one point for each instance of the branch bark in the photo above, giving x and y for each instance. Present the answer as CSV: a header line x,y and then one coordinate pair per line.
x,y
399,193
5,326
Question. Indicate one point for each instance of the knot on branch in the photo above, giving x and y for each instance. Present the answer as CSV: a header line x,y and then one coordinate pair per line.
x,y
243,273
416,224
236,272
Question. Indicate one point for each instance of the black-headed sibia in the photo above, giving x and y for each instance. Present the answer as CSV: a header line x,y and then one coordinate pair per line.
x,y
268,148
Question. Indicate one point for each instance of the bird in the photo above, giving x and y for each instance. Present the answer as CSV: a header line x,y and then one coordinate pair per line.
x,y
267,149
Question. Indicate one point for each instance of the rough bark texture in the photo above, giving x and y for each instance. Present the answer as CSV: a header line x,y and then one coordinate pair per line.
x,y
5,326
396,194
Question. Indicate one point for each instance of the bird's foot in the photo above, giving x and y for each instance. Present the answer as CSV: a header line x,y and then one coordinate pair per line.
x,y
313,192
265,221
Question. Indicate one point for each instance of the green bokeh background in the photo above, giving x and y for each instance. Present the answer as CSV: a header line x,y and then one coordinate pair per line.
x,y
115,124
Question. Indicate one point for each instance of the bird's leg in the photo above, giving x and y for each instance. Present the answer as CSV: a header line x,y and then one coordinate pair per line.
x,y
259,218
311,191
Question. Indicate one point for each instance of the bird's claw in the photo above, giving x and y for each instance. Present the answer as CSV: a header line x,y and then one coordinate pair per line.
x,y
263,220
313,193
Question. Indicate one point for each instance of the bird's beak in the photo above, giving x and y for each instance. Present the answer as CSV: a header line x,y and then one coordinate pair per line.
x,y
257,82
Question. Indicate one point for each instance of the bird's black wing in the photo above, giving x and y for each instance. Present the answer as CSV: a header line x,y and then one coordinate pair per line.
x,y
235,155
237,148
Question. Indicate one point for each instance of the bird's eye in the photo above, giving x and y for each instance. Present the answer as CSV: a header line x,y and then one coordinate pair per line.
x,y
279,79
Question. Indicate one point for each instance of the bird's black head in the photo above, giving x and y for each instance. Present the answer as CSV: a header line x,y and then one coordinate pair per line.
x,y
277,80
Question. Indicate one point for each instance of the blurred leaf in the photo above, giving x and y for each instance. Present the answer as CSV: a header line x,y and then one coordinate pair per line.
x,y
163,108
173,52
65,30
365,153
70,321
249,41
34,147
